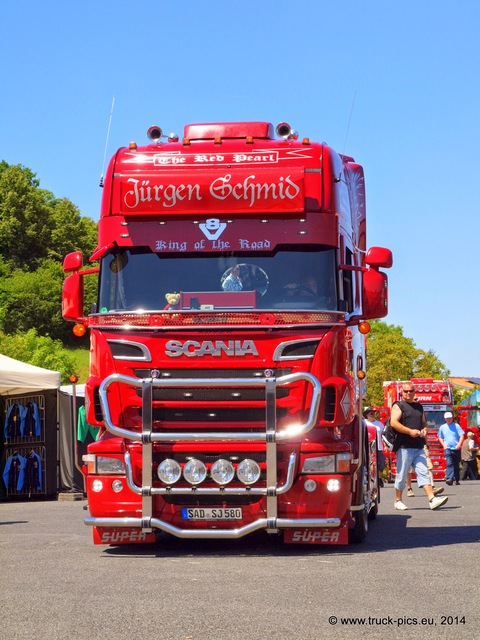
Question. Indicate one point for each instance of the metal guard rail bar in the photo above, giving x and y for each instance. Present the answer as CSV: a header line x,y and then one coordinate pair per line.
x,y
270,436
147,435
262,523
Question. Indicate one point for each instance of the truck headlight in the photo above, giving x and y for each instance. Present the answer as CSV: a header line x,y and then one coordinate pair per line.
x,y
335,463
321,464
106,465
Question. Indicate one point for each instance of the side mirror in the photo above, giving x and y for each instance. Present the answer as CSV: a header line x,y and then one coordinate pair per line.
x,y
375,294
73,262
72,297
379,257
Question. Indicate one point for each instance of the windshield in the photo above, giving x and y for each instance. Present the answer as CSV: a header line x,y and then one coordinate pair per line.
x,y
434,419
138,279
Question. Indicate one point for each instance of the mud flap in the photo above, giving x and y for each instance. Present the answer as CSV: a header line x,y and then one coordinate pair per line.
x,y
102,535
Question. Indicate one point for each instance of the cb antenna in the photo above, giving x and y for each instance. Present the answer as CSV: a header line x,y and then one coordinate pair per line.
x,y
106,141
349,120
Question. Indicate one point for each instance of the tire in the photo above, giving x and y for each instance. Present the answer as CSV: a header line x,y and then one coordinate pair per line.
x,y
360,530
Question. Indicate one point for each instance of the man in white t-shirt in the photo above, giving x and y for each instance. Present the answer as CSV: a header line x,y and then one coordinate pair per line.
x,y
451,437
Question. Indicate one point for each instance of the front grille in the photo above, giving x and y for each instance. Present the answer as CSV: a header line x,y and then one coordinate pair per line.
x,y
213,395
213,415
199,374
210,458
211,501
235,394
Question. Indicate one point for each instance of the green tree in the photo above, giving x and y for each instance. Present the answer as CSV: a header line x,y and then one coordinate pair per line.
x,y
34,225
71,231
393,356
36,231
40,351
33,300
25,221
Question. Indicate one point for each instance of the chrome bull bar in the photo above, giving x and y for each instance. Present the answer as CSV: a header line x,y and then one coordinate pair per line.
x,y
271,436
262,523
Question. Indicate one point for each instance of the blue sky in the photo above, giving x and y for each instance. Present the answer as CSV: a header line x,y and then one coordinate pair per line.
x,y
393,84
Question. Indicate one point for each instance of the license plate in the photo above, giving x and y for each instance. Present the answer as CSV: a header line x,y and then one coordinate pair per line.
x,y
196,513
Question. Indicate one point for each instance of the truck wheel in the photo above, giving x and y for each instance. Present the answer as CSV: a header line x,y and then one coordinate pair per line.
x,y
359,531
372,514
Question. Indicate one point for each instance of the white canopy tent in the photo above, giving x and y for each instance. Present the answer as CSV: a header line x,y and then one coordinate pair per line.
x,y
20,378
24,383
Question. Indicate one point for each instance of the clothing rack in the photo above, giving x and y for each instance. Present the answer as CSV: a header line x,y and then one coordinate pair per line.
x,y
31,446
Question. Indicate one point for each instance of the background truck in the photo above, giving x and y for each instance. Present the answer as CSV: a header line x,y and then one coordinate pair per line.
x,y
468,417
228,339
436,396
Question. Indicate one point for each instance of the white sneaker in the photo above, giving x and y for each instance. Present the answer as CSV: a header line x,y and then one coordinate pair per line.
x,y
400,506
435,502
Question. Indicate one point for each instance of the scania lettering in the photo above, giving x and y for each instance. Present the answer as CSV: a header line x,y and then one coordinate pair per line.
x,y
227,339
193,348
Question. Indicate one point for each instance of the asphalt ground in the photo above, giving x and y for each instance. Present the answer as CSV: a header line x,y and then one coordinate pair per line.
x,y
416,576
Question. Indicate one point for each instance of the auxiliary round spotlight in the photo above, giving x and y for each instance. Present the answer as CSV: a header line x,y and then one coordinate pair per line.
x,y
222,471
97,485
169,471
248,471
333,485
117,486
194,471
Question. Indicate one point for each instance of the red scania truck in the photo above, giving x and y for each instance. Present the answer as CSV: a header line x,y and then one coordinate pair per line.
x,y
436,397
227,359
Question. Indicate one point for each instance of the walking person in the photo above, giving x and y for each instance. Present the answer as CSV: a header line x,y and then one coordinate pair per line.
x,y
469,457
408,419
451,437
436,490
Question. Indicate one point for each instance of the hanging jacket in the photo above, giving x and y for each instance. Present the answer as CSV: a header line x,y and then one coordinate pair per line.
x,y
30,478
12,472
31,421
14,421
